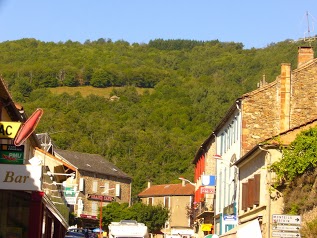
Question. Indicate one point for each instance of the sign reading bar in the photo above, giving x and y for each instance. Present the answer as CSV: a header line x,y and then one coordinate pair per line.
x,y
20,177
100,198
11,154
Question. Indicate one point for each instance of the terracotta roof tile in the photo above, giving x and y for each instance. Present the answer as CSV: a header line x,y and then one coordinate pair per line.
x,y
168,189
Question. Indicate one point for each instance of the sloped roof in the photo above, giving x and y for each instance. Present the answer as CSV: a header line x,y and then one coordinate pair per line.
x,y
168,190
91,163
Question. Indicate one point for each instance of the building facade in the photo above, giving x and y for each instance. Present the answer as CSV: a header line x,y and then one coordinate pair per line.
x,y
26,210
178,198
273,108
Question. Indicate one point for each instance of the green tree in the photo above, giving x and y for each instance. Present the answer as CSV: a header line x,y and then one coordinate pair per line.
x,y
154,217
298,158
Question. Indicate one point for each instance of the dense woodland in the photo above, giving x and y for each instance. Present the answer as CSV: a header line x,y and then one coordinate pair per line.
x,y
151,136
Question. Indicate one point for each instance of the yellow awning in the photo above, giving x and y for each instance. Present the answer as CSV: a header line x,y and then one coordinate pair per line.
x,y
206,227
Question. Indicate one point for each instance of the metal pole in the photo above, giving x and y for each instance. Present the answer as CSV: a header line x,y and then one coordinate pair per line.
x,y
100,219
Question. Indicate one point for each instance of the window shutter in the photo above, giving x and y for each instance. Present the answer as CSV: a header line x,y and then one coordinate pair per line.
x,y
244,196
250,193
257,188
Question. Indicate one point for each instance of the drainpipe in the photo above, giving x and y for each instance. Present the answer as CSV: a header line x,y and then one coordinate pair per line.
x,y
269,178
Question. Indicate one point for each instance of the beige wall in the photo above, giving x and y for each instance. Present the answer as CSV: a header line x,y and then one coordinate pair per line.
x,y
178,211
271,201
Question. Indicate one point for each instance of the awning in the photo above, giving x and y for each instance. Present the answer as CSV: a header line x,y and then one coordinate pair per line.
x,y
248,229
206,227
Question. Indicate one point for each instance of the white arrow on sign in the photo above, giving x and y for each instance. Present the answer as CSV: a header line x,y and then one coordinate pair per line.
x,y
286,227
285,234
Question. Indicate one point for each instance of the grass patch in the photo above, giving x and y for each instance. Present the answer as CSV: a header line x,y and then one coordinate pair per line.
x,y
88,90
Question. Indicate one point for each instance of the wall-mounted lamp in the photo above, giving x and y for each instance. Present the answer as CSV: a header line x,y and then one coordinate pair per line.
x,y
49,173
107,189
219,157
186,180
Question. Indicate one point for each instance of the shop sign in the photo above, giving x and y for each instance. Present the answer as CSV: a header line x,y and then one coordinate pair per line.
x,y
8,130
96,197
70,195
11,154
88,216
207,190
228,210
230,218
20,177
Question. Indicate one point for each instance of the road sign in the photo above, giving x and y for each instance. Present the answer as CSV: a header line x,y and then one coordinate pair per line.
x,y
286,219
285,234
286,227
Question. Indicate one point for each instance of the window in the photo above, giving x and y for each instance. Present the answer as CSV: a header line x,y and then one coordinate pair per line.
x,y
94,186
150,201
167,202
251,192
94,208
106,188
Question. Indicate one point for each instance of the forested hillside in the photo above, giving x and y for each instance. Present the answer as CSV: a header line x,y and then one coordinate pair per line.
x,y
151,136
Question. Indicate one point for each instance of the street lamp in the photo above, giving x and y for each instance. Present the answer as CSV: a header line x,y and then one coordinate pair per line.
x,y
186,180
101,200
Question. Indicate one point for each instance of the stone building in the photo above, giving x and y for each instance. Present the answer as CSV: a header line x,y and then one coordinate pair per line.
x,y
273,108
97,183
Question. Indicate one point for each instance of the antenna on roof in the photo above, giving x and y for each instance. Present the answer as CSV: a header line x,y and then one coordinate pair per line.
x,y
307,37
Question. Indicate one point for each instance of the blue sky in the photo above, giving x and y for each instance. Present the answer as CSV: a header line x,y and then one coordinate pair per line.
x,y
251,22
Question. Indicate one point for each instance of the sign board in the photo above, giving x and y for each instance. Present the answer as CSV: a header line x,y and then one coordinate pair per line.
x,y
285,234
88,216
207,190
20,177
287,219
229,217
286,227
100,198
11,154
70,195
229,210
8,130
208,180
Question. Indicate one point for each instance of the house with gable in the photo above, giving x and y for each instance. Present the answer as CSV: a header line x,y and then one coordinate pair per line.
x,y
273,108
98,183
178,198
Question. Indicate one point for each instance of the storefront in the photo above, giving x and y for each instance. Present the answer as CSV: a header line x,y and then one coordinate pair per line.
x,y
26,211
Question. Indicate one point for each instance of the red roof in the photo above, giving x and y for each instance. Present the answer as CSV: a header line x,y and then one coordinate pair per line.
x,y
168,190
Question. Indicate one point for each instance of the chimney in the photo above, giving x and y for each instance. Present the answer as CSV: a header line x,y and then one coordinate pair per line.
x,y
305,54
285,96
149,184
183,183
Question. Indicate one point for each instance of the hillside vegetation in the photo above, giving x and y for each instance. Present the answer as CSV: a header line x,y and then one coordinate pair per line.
x,y
153,133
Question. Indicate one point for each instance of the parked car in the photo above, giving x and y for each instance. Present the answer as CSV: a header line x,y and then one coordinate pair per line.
x,y
74,234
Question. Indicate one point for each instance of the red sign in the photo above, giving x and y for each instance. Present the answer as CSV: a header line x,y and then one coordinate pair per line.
x,y
88,216
100,198
205,190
